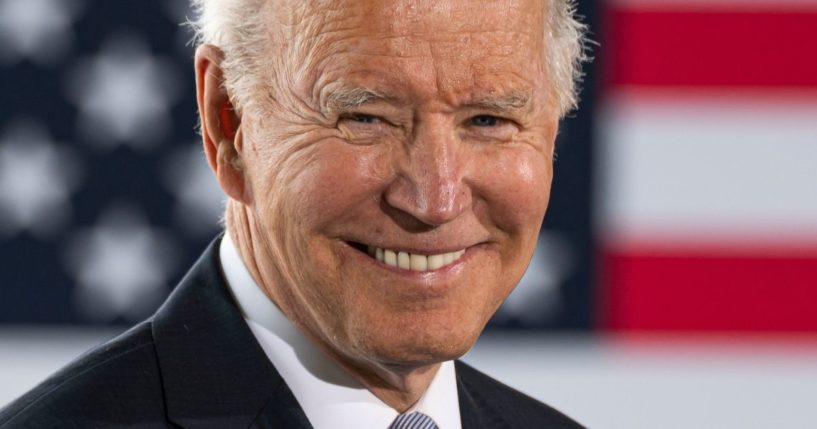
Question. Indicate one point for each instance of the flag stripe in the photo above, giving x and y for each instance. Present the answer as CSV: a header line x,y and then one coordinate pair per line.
x,y
706,48
708,5
666,289
679,167
708,214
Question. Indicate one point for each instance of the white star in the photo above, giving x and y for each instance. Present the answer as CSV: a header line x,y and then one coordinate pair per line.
x,y
199,199
35,29
36,180
121,266
536,298
124,94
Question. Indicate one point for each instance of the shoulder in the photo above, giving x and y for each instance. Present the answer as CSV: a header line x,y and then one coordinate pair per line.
x,y
515,408
114,383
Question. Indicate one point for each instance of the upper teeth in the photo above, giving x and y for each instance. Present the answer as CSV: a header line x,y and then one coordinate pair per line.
x,y
414,261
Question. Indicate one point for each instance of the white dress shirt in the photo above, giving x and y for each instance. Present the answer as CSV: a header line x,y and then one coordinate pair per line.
x,y
329,396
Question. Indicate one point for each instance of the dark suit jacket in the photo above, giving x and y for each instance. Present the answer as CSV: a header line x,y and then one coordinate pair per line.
x,y
196,364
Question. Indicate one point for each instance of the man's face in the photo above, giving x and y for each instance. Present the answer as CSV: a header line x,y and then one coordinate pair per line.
x,y
416,129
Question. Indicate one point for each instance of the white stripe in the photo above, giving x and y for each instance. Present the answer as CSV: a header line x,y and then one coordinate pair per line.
x,y
409,422
699,169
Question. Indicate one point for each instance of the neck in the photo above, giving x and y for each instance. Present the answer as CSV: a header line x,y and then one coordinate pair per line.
x,y
399,386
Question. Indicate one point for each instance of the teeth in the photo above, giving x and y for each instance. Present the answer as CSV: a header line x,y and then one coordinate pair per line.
x,y
414,261
435,261
403,260
419,262
390,258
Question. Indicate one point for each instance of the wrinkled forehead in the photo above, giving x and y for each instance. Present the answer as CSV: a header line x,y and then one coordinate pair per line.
x,y
400,16
405,17
466,38
396,23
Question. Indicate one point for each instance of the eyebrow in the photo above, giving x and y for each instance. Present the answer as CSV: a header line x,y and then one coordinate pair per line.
x,y
514,100
346,98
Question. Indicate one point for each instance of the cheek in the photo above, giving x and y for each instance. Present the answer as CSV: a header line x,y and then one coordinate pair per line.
x,y
514,184
306,199
338,183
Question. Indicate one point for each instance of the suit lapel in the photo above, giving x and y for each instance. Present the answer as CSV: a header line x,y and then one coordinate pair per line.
x,y
475,412
214,372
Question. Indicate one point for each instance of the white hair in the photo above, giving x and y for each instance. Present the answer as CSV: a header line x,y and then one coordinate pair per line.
x,y
566,35
237,27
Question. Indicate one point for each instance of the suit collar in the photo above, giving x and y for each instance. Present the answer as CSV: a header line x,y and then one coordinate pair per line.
x,y
214,373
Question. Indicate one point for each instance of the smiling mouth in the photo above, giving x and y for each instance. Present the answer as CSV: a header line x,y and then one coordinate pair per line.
x,y
410,261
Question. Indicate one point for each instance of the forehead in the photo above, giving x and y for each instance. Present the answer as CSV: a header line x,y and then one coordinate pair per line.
x,y
448,46
402,17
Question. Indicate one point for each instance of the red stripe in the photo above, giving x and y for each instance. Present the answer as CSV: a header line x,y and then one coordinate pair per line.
x,y
653,290
710,48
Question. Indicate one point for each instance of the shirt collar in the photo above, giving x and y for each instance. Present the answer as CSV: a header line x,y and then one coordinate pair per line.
x,y
329,396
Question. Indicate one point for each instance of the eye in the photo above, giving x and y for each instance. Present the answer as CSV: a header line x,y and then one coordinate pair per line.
x,y
363,118
485,121
363,128
490,128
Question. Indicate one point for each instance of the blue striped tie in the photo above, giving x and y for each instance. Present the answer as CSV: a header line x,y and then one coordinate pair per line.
x,y
413,420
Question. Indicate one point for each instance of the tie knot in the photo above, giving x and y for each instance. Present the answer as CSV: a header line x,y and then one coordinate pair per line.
x,y
413,420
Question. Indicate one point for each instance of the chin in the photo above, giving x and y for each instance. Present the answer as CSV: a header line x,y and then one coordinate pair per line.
x,y
419,345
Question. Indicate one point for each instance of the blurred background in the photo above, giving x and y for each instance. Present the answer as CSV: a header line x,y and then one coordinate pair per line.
x,y
675,281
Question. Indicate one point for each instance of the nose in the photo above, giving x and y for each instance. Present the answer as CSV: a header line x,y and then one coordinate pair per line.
x,y
429,183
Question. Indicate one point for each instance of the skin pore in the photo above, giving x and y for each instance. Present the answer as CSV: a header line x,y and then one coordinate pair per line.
x,y
415,126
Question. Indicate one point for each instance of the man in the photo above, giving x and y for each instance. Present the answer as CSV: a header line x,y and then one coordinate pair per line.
x,y
388,166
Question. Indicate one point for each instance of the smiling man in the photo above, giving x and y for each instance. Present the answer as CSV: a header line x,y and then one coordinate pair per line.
x,y
388,166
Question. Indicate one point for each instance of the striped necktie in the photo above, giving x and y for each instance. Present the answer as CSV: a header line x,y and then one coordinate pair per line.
x,y
413,420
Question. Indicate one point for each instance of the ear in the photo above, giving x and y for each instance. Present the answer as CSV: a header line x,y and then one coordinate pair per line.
x,y
220,124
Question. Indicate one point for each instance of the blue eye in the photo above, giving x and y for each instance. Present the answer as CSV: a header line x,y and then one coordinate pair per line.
x,y
485,121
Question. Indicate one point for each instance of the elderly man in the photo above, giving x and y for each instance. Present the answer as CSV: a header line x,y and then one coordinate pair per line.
x,y
388,166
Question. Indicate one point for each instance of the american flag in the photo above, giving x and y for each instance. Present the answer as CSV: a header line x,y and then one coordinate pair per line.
x,y
707,213
105,197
